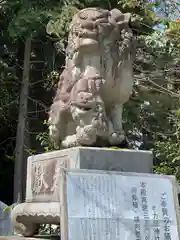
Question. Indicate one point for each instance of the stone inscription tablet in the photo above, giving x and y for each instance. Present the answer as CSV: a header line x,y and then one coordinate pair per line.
x,y
44,179
119,206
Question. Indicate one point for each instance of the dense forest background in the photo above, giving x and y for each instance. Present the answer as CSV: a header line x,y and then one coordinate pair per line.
x,y
33,37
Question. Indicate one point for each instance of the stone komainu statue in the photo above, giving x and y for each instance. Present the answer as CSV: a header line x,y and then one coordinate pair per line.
x,y
96,82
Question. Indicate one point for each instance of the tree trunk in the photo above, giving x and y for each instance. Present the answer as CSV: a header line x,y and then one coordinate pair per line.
x,y
22,133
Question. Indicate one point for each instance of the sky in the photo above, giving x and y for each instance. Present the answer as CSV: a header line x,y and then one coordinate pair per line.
x,y
173,14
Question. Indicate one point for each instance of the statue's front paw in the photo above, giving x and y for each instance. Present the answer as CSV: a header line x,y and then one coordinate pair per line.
x,y
116,138
70,141
86,135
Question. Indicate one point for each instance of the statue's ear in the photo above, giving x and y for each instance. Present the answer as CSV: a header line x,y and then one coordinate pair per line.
x,y
122,19
116,14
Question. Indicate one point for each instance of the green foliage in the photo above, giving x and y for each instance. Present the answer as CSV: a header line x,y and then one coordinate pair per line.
x,y
144,18
48,229
8,81
59,26
45,142
7,208
30,17
167,149
173,32
43,138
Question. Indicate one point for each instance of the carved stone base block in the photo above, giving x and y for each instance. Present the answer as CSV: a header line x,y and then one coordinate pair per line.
x,y
43,180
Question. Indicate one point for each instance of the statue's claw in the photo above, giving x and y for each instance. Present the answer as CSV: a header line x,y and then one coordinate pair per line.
x,y
70,141
116,138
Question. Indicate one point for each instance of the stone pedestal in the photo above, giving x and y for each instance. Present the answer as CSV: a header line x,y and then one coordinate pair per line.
x,y
43,180
27,238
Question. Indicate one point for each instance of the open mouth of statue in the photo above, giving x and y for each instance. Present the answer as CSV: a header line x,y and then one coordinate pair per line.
x,y
94,83
87,45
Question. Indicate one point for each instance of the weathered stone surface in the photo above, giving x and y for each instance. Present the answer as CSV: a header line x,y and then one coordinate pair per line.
x,y
114,205
43,176
96,82
44,179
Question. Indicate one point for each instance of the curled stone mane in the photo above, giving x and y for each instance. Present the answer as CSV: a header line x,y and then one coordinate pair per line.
x,y
99,48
